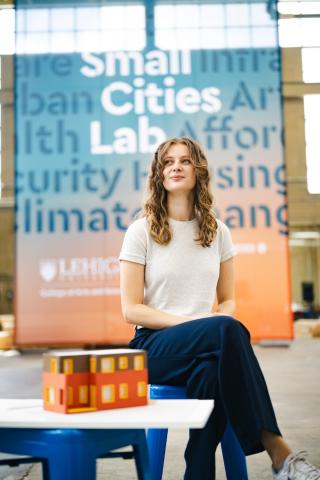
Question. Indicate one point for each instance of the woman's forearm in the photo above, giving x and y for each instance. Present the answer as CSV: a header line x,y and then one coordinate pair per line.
x,y
140,314
228,307
148,317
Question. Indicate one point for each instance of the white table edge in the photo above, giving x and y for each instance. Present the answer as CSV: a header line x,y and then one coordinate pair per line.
x,y
157,414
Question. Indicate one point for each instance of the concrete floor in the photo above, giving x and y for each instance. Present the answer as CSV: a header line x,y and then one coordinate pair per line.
x,y
292,375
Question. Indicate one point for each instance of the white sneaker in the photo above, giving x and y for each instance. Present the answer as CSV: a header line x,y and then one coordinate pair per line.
x,y
296,467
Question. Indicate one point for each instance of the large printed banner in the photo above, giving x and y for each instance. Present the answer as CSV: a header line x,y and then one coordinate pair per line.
x,y
86,127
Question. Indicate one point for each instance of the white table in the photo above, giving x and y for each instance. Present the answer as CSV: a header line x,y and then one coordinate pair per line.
x,y
157,414
71,443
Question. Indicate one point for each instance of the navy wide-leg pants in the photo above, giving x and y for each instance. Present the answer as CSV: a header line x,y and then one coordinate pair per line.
x,y
213,358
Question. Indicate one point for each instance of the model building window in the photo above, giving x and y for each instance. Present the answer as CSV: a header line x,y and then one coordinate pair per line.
x,y
53,365
67,365
107,364
123,363
50,395
83,394
123,390
70,396
141,389
138,363
108,394
61,393
93,364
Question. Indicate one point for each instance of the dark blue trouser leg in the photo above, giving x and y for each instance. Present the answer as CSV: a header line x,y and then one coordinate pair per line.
x,y
202,384
213,358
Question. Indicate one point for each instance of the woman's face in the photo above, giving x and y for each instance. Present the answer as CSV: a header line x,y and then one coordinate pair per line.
x,y
179,173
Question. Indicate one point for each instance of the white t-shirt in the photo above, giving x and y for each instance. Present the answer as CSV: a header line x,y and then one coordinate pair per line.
x,y
181,277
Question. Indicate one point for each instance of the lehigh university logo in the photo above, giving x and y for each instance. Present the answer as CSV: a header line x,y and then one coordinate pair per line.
x,y
48,269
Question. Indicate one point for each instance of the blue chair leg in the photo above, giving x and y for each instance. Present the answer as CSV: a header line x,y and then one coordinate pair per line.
x,y
61,466
45,470
140,449
233,456
157,441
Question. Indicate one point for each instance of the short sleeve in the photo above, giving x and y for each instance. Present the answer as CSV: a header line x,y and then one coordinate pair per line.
x,y
227,249
134,247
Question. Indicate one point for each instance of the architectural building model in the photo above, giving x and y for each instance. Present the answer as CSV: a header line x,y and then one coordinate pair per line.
x,y
83,381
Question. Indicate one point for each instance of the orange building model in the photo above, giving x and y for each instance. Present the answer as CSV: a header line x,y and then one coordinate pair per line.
x,y
79,381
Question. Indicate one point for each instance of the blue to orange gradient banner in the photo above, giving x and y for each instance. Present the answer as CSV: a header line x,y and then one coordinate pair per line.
x,y
87,124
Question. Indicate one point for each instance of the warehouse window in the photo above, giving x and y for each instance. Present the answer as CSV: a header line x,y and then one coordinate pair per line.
x,y
0,138
312,122
310,65
123,27
299,24
7,22
214,25
80,29
72,29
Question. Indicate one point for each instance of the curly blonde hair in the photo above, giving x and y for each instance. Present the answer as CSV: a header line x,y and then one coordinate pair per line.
x,y
155,207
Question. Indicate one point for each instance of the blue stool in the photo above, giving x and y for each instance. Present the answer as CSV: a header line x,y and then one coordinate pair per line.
x,y
70,454
233,456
